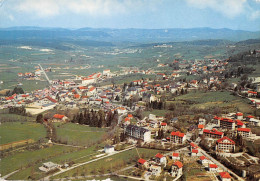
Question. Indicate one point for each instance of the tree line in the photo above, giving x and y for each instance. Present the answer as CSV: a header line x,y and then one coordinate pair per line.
x,y
96,118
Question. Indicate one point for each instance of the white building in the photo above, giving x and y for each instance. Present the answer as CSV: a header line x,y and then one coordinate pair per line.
x,y
109,149
138,133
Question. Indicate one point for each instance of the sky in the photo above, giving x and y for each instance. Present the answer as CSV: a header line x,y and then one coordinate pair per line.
x,y
147,14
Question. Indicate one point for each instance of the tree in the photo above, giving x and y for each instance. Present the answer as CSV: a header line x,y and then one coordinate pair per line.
x,y
39,118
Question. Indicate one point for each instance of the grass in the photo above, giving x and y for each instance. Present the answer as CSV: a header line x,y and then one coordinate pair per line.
x,y
16,131
79,134
15,117
76,157
14,162
112,163
156,112
221,99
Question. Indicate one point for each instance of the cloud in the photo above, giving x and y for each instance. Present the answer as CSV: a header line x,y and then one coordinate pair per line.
x,y
229,8
49,8
254,15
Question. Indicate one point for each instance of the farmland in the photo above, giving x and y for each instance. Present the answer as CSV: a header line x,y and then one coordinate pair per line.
x,y
79,134
114,162
16,131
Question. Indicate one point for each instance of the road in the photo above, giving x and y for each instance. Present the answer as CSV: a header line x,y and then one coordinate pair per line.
x,y
220,164
84,163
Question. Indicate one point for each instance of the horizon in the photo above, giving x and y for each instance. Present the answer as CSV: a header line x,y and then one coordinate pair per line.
x,y
132,14
70,28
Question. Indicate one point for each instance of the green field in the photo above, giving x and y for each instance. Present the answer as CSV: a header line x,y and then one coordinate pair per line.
x,y
6,117
156,112
79,134
112,163
75,156
18,160
224,100
16,131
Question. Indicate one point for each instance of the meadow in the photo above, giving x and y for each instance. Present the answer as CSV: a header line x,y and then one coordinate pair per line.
x,y
16,131
110,164
76,134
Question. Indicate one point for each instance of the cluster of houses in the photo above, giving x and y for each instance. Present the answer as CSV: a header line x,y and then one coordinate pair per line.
x,y
234,123
155,166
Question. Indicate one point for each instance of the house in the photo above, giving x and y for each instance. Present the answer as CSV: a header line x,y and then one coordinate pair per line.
x,y
138,133
177,137
176,169
48,166
225,144
159,158
106,72
212,133
213,168
193,146
240,124
244,132
87,81
200,127
176,156
109,149
59,118
194,152
156,170
204,160
164,125
142,163
239,115
224,176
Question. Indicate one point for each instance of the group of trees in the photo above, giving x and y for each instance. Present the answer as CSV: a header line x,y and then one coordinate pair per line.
x,y
96,118
16,90
156,105
17,110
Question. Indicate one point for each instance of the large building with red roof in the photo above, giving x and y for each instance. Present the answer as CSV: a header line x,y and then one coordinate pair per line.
x,y
244,132
177,137
212,133
225,144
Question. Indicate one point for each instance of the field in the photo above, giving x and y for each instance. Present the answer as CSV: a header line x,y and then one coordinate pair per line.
x,y
14,162
16,131
223,100
61,157
79,134
112,163
5,117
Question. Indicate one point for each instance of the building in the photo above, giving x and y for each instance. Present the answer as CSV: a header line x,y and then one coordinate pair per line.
x,y
156,170
224,176
225,144
227,123
176,169
204,161
106,72
143,163
194,152
59,118
176,156
48,166
109,149
212,133
159,158
239,115
213,168
177,137
138,133
87,81
244,132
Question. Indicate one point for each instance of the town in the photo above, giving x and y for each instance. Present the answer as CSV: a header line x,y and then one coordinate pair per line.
x,y
214,145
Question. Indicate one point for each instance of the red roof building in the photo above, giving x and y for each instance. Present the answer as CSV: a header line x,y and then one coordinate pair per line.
x,y
177,137
213,133
225,176
225,144
178,164
245,132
